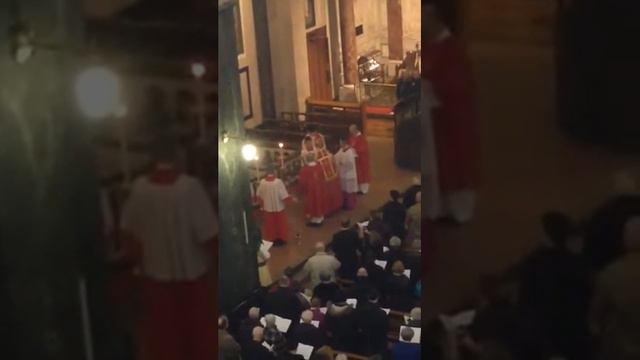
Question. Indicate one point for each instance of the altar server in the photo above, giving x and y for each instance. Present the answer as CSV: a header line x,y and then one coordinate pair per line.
x,y
311,185
272,196
363,168
332,180
346,162
171,218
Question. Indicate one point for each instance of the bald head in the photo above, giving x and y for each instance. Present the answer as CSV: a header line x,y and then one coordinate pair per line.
x,y
254,313
223,322
307,316
257,334
320,247
397,267
395,242
270,320
342,357
362,272
416,314
406,333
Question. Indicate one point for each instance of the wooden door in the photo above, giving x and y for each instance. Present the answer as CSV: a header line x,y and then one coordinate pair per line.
x,y
319,71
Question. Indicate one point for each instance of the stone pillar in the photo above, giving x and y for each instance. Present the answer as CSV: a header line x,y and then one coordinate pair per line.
x,y
334,45
263,48
348,37
394,26
237,249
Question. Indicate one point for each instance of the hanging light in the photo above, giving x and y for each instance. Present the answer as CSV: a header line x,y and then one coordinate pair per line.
x,y
249,152
97,91
21,42
198,70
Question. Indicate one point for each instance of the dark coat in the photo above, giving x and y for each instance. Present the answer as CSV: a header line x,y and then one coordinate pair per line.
x,y
340,323
398,293
283,302
393,214
308,335
373,326
255,351
346,245
327,292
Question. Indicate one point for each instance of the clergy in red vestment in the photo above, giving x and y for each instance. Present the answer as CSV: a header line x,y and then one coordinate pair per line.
x,y
363,167
171,218
272,196
311,185
332,180
447,68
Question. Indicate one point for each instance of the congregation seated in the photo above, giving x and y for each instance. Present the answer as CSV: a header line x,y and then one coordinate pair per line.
x,y
254,350
319,263
372,324
397,289
272,335
362,287
406,350
246,326
340,324
377,226
284,301
327,290
346,245
307,333
394,254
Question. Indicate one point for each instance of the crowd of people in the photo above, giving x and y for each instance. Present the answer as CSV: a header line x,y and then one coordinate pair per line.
x,y
339,301
573,297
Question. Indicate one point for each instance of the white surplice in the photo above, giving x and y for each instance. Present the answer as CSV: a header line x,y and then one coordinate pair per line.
x,y
346,162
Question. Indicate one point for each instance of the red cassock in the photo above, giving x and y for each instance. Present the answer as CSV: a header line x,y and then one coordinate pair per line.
x,y
311,184
272,196
363,167
446,66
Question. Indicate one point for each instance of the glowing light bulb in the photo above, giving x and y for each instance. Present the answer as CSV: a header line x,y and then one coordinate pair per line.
x,y
249,152
198,70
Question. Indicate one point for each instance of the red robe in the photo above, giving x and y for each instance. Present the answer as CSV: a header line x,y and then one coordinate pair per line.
x,y
363,167
274,221
311,185
447,67
332,181
178,315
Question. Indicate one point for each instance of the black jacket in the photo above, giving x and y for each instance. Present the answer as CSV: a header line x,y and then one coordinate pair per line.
x,y
308,335
346,245
283,302
255,351
327,292
393,214
373,326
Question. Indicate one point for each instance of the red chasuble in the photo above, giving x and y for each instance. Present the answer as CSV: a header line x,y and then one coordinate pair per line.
x,y
363,167
333,190
311,185
447,67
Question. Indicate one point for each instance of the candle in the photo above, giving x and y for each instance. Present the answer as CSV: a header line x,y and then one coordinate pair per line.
x,y
281,145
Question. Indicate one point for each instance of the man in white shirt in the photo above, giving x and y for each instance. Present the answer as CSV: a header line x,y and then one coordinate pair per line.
x,y
346,161
320,263
171,218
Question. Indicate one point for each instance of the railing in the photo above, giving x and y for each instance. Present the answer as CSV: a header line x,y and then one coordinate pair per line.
x,y
378,94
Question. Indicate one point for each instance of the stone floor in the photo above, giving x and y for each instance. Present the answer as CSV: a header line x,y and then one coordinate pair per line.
x,y
386,176
528,167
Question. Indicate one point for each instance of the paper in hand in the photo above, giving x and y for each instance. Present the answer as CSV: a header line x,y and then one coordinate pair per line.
x,y
304,350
